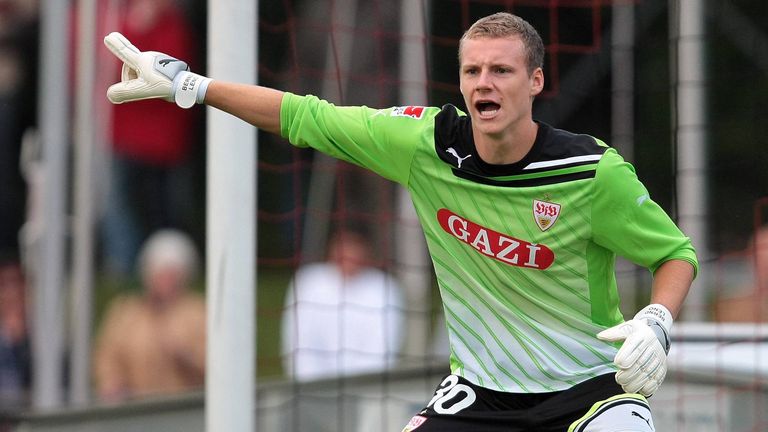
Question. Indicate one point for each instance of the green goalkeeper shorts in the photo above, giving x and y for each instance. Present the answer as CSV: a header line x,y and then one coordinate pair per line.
x,y
596,405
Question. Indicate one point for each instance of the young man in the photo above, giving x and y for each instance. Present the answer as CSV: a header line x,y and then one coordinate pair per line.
x,y
348,293
523,223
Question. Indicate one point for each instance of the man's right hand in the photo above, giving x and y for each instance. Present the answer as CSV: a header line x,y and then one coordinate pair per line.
x,y
153,75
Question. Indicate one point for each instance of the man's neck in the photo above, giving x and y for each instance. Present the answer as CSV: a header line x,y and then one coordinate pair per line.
x,y
511,147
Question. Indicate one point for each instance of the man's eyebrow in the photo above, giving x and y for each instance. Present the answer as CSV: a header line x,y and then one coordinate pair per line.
x,y
494,64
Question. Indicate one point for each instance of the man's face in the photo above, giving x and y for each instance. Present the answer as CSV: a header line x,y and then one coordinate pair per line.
x,y
495,83
761,256
11,289
164,282
350,253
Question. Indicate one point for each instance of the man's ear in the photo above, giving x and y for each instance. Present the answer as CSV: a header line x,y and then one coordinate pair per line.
x,y
537,81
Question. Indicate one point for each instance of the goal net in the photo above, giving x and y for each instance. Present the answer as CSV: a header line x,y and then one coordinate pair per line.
x,y
609,73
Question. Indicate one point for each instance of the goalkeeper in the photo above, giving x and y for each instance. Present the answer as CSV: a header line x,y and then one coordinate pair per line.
x,y
523,222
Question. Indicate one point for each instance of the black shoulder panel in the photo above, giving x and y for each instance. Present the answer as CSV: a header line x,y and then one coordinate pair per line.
x,y
453,138
554,149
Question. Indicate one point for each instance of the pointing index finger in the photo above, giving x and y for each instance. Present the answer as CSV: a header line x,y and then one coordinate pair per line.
x,y
122,48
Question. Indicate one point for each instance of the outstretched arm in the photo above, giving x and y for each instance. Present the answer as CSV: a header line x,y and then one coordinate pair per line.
x,y
259,106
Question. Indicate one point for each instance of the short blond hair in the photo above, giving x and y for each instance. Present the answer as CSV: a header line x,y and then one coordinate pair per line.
x,y
504,24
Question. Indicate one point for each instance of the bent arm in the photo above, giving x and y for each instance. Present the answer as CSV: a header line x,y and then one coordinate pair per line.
x,y
259,106
671,283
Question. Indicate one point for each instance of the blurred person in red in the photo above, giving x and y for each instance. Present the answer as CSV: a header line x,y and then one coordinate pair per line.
x,y
14,337
154,343
151,145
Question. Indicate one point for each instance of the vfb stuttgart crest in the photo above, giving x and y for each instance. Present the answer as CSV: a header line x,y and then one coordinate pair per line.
x,y
545,214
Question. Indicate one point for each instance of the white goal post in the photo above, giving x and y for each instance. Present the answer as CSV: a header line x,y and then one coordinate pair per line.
x,y
231,226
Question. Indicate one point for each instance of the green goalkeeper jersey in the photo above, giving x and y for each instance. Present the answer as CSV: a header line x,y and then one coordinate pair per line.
x,y
523,253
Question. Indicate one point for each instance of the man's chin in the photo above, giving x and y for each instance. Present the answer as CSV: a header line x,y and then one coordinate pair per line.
x,y
489,128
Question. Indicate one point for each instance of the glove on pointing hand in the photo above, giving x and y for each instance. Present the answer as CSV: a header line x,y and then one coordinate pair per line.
x,y
153,75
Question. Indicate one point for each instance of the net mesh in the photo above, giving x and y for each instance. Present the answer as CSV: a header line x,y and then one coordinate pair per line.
x,y
349,52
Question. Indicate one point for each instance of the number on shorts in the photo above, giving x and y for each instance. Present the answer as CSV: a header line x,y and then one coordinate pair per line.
x,y
449,391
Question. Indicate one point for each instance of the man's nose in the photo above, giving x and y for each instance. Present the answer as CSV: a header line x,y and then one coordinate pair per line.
x,y
483,80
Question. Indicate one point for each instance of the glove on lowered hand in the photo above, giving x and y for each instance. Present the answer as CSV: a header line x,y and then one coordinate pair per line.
x,y
642,359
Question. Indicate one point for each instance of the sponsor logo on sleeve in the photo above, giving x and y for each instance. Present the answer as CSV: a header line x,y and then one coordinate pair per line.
x,y
545,214
509,250
415,112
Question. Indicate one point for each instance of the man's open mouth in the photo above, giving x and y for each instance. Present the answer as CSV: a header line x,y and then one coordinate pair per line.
x,y
487,108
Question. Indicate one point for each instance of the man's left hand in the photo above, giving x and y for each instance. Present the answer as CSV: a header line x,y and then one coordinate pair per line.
x,y
642,359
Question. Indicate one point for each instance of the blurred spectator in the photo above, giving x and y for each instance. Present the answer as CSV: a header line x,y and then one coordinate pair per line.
x,y
342,316
750,304
14,340
154,343
18,84
151,143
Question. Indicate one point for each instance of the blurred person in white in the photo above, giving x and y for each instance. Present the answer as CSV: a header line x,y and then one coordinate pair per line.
x,y
154,343
14,336
343,316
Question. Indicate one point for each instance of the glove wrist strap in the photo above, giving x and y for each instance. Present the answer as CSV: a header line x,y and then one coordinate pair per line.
x,y
189,88
657,312
659,319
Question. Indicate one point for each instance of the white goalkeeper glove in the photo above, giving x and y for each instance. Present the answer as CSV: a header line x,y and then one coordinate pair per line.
x,y
153,75
642,359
